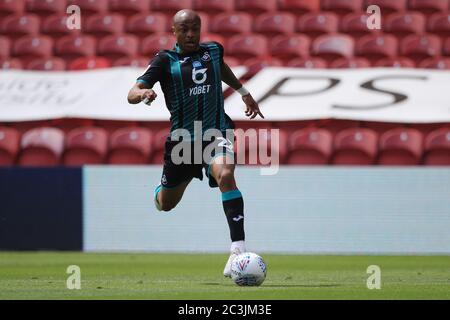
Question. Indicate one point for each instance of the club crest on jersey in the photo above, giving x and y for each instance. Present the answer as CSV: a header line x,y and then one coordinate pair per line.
x,y
198,72
196,64
206,57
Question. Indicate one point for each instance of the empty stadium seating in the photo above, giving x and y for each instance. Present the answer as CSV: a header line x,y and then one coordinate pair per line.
x,y
376,47
144,24
47,64
56,27
254,33
299,7
85,145
437,147
130,146
388,6
9,145
229,24
402,146
41,147
355,146
310,146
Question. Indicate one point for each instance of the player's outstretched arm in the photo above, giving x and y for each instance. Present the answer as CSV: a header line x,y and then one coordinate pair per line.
x,y
139,93
252,108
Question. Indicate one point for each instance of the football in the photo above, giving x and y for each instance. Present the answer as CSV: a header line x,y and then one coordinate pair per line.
x,y
248,269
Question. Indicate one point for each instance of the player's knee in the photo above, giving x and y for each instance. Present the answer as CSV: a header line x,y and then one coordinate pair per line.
x,y
226,178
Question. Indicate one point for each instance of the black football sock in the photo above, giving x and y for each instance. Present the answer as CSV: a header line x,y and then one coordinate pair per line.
x,y
233,205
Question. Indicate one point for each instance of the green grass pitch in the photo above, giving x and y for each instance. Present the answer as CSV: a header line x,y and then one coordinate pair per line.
x,y
42,275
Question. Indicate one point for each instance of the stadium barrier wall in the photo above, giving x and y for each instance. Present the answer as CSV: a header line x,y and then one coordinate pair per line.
x,y
40,209
338,210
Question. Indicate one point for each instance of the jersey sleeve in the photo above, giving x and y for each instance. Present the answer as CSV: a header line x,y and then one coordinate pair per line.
x,y
153,73
221,50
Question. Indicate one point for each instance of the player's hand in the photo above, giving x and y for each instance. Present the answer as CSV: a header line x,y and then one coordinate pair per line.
x,y
147,96
252,108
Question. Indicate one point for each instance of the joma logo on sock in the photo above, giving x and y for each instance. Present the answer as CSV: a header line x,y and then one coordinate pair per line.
x,y
239,217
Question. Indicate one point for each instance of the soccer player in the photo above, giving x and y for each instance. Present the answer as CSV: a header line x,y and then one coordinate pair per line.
x,y
190,76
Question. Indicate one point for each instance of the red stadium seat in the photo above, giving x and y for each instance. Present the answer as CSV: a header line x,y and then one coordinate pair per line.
x,y
30,47
272,24
350,63
130,146
138,62
395,62
159,142
155,43
256,7
9,145
446,47
388,6
437,148
116,47
419,48
41,147
436,63
17,26
129,7
253,151
86,63
299,7
310,146
289,47
11,7
254,65
47,64
316,24
403,24
229,24
75,46
56,26
342,7
103,25
247,46
355,25
170,6
5,47
10,63
330,47
91,7
46,7
213,6
86,145
307,63
429,6
439,24
355,146
207,37
400,146
145,24
376,47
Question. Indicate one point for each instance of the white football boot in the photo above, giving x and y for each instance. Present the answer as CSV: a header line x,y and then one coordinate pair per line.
x,y
237,248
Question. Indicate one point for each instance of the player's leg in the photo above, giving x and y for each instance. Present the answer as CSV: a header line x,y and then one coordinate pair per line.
x,y
167,198
233,205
